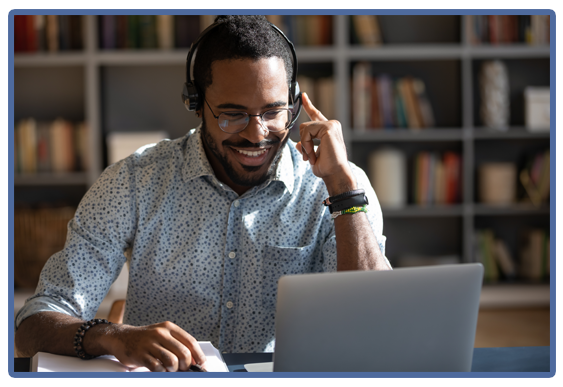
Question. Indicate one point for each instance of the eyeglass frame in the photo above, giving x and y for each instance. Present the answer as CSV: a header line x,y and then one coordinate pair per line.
x,y
252,115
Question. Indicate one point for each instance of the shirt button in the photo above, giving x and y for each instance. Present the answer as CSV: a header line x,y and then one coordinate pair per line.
x,y
232,254
236,203
229,304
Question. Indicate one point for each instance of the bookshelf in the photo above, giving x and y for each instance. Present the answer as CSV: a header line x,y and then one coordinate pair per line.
x,y
136,90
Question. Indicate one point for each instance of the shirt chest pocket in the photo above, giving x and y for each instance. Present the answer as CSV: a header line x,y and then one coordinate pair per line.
x,y
280,261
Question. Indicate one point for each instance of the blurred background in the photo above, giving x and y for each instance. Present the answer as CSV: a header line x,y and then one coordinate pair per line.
x,y
448,115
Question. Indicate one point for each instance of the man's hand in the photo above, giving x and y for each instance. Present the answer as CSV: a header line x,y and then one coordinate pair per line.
x,y
159,347
330,161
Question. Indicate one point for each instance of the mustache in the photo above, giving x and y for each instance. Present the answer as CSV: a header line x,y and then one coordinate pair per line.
x,y
247,144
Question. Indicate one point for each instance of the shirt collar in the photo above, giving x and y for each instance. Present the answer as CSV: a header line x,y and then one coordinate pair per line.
x,y
197,165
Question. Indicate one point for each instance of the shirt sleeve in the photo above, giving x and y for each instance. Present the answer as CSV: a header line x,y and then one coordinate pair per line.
x,y
375,218
75,280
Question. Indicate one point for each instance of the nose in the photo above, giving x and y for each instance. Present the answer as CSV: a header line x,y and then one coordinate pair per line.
x,y
255,131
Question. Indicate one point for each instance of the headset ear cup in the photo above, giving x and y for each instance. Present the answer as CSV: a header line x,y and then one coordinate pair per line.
x,y
190,97
296,110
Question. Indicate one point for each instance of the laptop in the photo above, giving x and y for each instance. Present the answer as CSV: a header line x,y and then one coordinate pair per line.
x,y
407,319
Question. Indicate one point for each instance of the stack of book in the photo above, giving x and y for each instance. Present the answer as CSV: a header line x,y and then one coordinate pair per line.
x,y
506,29
495,256
43,147
321,93
150,31
499,263
305,30
53,33
436,178
382,102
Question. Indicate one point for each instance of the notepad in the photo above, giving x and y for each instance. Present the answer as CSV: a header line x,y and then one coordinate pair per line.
x,y
47,362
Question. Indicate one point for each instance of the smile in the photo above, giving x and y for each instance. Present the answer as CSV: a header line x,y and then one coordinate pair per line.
x,y
252,153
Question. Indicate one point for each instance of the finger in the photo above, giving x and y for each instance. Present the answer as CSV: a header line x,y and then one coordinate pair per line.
x,y
313,113
307,132
300,150
153,364
188,340
180,351
167,359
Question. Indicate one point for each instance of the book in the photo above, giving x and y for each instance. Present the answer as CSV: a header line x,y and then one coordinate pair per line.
x,y
452,167
487,255
386,100
47,362
108,32
62,146
186,30
376,114
133,38
121,31
165,31
411,103
424,107
361,83
367,29
504,259
325,97
439,182
43,147
533,255
28,146
400,113
147,31
52,33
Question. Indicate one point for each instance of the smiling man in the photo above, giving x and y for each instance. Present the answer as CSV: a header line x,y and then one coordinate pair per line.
x,y
210,221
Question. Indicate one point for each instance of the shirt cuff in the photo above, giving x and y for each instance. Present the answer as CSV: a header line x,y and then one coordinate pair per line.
x,y
39,304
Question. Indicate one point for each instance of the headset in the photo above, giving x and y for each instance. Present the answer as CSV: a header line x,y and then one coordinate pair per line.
x,y
190,95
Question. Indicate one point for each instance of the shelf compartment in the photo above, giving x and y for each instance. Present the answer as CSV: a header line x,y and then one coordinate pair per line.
x,y
49,179
430,211
509,210
398,135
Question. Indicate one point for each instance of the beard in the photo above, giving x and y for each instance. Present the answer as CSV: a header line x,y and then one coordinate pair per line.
x,y
249,179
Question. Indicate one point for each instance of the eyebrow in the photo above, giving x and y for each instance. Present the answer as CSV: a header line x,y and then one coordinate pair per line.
x,y
241,107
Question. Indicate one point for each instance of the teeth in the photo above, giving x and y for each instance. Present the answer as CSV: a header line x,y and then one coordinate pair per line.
x,y
252,154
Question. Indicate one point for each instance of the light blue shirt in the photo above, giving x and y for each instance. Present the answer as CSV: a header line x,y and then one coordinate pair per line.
x,y
202,256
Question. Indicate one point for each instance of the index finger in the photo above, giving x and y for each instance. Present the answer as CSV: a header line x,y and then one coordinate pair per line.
x,y
313,113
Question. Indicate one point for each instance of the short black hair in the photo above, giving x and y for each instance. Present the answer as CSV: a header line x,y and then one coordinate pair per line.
x,y
238,37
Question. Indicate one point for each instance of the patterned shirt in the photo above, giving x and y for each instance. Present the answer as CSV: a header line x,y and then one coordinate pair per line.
x,y
199,255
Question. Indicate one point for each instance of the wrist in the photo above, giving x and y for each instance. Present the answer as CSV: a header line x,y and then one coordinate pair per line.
x,y
337,184
99,339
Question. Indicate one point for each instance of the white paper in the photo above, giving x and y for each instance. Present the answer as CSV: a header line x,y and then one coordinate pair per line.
x,y
260,367
47,362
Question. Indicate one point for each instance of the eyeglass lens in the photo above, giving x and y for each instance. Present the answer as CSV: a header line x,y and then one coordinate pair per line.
x,y
275,120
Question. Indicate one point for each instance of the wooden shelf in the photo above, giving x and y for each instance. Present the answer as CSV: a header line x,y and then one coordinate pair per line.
x,y
507,51
50,59
515,295
510,133
510,210
413,210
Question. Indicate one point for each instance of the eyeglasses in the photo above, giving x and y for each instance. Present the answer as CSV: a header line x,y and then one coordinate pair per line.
x,y
274,120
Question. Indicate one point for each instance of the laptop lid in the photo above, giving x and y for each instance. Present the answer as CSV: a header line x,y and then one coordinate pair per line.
x,y
410,319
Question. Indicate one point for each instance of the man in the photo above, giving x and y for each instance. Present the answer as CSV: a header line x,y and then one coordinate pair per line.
x,y
212,220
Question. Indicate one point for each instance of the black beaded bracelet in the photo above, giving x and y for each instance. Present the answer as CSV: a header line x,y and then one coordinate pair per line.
x,y
78,346
332,199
